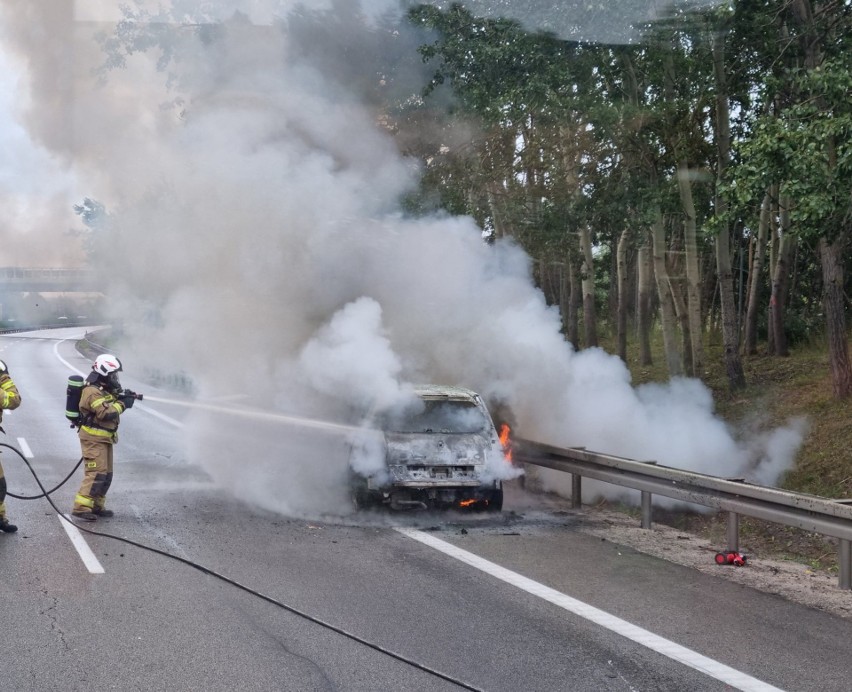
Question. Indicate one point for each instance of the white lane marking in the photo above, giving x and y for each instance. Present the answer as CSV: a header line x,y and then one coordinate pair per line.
x,y
74,534
25,448
83,549
142,407
62,360
666,647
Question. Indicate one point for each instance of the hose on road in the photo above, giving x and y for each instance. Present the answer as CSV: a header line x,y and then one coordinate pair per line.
x,y
46,493
205,570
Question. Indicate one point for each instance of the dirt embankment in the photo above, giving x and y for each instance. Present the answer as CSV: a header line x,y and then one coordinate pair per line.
x,y
792,580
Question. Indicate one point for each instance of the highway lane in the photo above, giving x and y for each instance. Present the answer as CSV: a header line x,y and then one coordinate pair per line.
x,y
151,623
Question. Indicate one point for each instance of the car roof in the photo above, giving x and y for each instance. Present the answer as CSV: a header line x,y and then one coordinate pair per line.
x,y
440,391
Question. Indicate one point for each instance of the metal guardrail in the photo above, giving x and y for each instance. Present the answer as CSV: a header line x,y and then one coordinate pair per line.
x,y
176,381
808,512
38,327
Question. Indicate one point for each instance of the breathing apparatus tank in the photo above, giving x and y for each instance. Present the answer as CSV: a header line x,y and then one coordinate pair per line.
x,y
72,399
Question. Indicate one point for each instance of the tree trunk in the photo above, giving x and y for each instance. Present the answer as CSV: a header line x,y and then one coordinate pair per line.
x,y
623,294
730,331
564,297
587,273
574,300
780,282
778,339
682,315
667,316
774,245
831,251
709,290
495,194
750,340
644,306
693,275
831,258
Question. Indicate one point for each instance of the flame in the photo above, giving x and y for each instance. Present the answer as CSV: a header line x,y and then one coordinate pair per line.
x,y
506,442
466,503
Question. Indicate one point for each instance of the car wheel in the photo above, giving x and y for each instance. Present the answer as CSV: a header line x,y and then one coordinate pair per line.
x,y
362,497
495,501
360,502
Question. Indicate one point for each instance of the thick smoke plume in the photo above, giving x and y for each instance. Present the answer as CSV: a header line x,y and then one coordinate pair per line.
x,y
256,243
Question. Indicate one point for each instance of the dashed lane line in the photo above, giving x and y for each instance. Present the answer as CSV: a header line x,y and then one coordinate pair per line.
x,y
25,448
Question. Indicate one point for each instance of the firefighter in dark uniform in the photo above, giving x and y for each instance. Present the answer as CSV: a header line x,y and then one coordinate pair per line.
x,y
102,402
9,399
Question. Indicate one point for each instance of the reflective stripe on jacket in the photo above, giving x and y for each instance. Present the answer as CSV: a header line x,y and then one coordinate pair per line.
x,y
9,396
99,411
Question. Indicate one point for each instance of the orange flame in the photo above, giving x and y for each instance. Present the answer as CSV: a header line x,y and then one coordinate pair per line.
x,y
506,442
466,503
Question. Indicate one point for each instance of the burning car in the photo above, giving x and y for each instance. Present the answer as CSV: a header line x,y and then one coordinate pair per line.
x,y
442,452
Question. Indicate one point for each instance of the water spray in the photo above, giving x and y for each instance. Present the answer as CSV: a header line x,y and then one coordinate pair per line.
x,y
341,428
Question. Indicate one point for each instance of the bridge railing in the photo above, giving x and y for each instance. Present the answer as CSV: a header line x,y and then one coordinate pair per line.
x,y
808,512
42,273
35,279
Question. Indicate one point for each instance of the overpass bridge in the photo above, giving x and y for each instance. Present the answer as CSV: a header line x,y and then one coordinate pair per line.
x,y
36,280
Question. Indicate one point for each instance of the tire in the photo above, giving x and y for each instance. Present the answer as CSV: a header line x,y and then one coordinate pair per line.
x,y
495,501
362,499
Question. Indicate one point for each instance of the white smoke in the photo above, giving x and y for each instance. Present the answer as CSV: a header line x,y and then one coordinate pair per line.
x,y
34,192
351,354
257,245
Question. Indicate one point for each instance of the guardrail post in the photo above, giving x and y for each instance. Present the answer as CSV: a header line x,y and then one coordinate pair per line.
x,y
733,531
646,510
829,517
576,491
845,560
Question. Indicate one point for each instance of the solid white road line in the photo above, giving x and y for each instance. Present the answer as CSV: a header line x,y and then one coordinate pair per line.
x,y
142,407
77,540
83,549
666,647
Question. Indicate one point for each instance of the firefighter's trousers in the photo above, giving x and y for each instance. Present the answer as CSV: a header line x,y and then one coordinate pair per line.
x,y
97,476
2,495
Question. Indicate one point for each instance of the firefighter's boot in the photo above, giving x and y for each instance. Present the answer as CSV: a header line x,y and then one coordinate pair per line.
x,y
6,527
85,516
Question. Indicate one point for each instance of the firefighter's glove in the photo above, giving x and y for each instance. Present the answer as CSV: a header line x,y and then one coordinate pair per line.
x,y
127,400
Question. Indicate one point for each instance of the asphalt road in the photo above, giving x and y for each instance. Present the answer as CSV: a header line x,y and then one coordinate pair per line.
x,y
521,601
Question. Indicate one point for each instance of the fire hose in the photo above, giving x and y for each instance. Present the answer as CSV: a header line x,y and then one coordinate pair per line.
x,y
46,493
205,570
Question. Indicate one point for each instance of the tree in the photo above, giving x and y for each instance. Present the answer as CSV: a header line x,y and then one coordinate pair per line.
x,y
759,243
803,143
730,331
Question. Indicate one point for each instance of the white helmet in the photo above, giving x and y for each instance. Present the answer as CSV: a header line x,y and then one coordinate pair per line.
x,y
106,363
3,367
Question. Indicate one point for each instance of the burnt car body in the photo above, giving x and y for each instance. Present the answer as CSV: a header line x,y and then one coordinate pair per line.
x,y
439,454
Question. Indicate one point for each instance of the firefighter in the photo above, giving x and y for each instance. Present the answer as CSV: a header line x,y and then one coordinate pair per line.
x,y
9,399
102,402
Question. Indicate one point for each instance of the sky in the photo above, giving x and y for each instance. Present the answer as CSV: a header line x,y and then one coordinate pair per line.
x,y
254,212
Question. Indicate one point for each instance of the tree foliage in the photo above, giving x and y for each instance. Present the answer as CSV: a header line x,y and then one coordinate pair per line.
x,y
602,122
